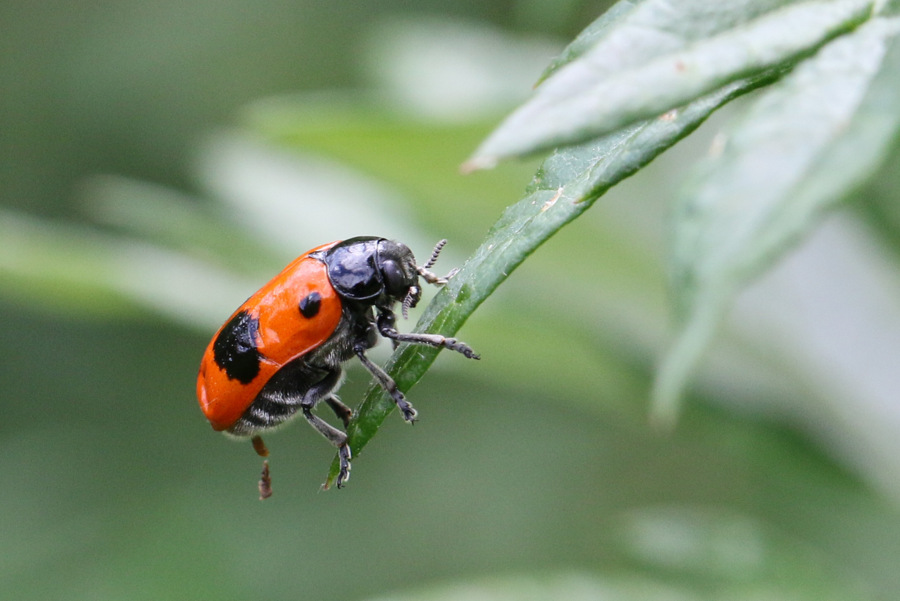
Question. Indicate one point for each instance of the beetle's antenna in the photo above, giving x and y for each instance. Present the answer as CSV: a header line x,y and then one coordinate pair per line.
x,y
412,297
434,254
432,278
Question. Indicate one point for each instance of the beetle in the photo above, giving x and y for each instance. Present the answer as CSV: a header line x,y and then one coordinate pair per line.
x,y
281,352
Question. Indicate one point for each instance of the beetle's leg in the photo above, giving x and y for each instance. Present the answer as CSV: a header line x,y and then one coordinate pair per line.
x,y
335,437
332,434
265,483
386,382
344,457
341,410
386,327
259,446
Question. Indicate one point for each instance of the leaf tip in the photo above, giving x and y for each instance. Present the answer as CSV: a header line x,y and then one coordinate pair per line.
x,y
664,411
681,361
478,163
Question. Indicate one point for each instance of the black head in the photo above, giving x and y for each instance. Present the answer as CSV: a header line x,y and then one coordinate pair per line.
x,y
373,270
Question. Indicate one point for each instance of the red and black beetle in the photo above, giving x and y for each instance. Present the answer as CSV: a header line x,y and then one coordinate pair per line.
x,y
281,351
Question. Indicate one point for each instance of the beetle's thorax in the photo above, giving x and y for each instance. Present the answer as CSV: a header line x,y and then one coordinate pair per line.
x,y
371,271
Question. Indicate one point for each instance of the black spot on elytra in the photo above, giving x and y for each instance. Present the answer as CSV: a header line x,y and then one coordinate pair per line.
x,y
310,305
235,348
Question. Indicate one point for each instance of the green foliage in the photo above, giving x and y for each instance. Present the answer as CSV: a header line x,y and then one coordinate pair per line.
x,y
538,476
805,145
672,57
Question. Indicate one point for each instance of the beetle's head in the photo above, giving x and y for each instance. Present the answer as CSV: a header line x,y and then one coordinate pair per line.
x,y
399,273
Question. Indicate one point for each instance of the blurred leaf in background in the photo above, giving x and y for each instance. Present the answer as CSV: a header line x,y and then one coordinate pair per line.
x,y
533,475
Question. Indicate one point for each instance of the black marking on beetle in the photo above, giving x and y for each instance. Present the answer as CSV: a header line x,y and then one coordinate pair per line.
x,y
235,348
310,305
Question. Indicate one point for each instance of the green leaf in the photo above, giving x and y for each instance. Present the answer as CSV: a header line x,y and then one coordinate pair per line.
x,y
805,145
888,7
566,185
595,95
86,272
173,221
652,28
572,586
592,35
59,267
374,140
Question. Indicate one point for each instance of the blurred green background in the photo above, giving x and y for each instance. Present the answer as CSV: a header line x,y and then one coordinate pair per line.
x,y
160,161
